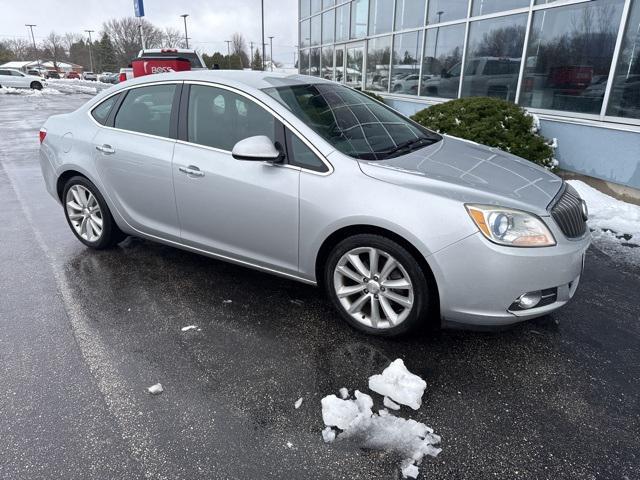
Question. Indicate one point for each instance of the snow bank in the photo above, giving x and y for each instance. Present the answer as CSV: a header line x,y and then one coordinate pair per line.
x,y
399,384
607,213
75,85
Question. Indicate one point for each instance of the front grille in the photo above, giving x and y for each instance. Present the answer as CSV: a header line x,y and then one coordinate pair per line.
x,y
567,212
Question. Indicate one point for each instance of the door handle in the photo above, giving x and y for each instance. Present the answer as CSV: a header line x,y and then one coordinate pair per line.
x,y
106,149
192,170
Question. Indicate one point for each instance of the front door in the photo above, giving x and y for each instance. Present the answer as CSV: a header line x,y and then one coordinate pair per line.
x,y
244,210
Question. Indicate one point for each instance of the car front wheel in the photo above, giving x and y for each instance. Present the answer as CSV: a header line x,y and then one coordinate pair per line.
x,y
36,85
377,285
88,214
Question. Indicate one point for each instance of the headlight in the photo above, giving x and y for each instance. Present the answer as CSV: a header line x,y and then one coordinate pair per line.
x,y
514,228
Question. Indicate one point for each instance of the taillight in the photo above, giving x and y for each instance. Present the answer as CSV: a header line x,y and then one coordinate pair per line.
x,y
42,134
122,77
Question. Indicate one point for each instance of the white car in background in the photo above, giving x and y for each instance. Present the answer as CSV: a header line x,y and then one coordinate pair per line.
x,y
90,76
10,77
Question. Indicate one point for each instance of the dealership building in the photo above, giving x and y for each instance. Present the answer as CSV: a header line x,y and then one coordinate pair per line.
x,y
574,63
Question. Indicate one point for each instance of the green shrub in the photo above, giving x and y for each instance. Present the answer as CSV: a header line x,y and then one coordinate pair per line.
x,y
373,95
492,122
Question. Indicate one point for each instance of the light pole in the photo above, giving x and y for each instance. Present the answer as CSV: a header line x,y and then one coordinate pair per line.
x,y
251,59
90,56
186,37
271,52
263,54
228,53
33,39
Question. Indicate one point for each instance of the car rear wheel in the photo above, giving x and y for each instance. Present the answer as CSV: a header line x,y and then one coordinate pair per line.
x,y
36,85
377,285
88,215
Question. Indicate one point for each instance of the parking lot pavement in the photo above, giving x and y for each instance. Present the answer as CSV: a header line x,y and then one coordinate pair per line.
x,y
85,333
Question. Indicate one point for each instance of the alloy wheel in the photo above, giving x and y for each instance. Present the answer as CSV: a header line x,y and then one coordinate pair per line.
x,y
373,287
84,213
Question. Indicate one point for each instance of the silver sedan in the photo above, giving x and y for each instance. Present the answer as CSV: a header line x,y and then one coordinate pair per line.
x,y
319,183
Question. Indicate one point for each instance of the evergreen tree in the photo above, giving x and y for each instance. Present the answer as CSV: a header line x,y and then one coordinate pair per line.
x,y
256,64
106,54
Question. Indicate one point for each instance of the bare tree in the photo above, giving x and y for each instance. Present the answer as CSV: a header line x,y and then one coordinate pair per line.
x,y
53,48
125,36
20,48
69,39
173,38
239,48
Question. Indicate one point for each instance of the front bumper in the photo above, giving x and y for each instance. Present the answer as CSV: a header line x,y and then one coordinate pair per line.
x,y
478,281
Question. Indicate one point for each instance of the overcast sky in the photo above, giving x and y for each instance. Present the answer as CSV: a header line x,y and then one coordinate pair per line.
x,y
210,23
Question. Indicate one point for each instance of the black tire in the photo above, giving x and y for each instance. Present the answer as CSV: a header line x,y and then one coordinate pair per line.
x,y
422,295
111,234
36,85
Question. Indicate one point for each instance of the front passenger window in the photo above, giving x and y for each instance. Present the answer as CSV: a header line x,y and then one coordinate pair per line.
x,y
147,110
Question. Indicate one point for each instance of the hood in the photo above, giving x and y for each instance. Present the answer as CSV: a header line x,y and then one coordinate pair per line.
x,y
470,172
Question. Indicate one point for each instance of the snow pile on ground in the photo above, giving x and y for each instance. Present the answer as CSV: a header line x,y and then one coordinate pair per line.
x,y
75,85
383,431
608,214
28,92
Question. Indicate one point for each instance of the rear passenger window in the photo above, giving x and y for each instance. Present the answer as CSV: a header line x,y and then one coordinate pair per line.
x,y
302,156
147,110
219,118
101,112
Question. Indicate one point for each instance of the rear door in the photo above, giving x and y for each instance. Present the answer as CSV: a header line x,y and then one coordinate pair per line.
x,y
133,156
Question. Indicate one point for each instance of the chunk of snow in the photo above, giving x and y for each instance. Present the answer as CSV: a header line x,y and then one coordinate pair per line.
x,y
328,435
344,393
399,384
155,389
227,301
289,444
390,404
190,327
535,127
410,470
298,403
341,413
383,411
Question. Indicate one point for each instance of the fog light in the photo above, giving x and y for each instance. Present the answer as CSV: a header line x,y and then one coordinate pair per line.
x,y
529,300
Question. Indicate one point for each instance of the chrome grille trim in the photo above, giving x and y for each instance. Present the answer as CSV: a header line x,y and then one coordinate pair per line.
x,y
567,212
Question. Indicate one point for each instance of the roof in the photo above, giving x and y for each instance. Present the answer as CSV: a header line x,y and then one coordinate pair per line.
x,y
15,64
34,63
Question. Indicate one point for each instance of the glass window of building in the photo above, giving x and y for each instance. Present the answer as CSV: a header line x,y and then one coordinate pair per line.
x,y
303,62
339,70
380,16
328,3
314,62
483,7
328,26
315,30
354,66
569,56
378,61
359,17
409,13
316,6
305,33
446,10
342,23
327,63
305,8
442,61
405,63
625,92
494,52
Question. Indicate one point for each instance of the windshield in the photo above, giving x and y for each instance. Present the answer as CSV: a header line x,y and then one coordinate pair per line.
x,y
192,57
352,122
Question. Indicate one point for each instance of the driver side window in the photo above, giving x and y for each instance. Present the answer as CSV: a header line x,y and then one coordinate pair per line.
x,y
220,118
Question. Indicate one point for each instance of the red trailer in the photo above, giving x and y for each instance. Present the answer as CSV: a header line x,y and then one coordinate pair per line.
x,y
161,64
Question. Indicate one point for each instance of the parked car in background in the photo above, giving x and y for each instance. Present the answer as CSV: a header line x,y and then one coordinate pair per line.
x,y
10,77
53,74
257,169
72,75
35,72
196,60
125,74
89,76
108,77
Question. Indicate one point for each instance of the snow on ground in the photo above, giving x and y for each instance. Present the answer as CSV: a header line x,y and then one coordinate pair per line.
x,y
607,213
59,87
155,389
356,422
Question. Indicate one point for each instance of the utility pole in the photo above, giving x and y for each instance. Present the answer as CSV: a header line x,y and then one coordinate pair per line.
x,y
295,51
228,53
271,52
90,56
251,56
33,39
263,54
186,37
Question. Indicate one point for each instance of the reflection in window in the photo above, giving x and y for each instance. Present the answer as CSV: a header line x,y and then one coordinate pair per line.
x,y
493,57
303,62
342,23
327,63
569,56
625,92
359,16
305,8
316,6
442,61
446,10
302,156
409,13
378,57
328,3
314,62
380,16
146,110
328,26
315,30
355,59
483,7
305,33
405,68
339,71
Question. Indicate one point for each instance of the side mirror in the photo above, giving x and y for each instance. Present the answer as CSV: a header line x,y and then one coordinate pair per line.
x,y
259,148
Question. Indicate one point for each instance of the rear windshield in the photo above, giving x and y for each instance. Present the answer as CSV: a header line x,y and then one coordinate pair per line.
x,y
352,122
192,57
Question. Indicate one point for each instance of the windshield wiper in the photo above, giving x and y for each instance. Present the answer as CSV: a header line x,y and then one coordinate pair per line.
x,y
408,146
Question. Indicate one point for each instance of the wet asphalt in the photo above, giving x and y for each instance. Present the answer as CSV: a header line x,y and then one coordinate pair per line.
x,y
84,333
